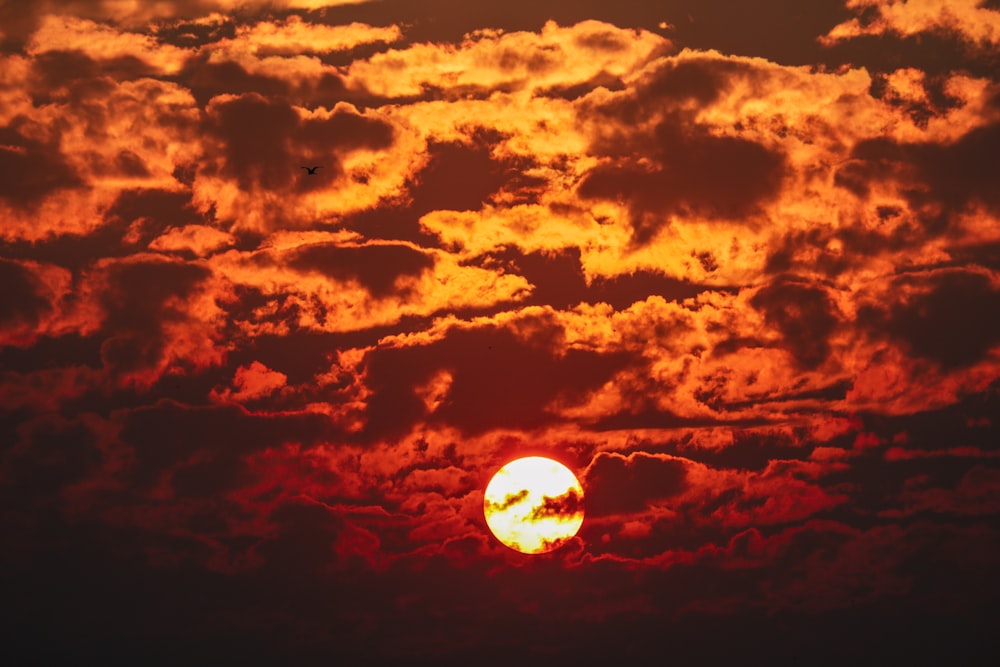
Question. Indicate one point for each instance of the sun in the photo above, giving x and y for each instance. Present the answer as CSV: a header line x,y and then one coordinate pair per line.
x,y
534,504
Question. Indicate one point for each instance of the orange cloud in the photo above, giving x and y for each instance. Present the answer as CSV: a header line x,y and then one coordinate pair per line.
x,y
15,100
554,58
141,14
198,239
70,33
295,36
348,286
967,19
77,154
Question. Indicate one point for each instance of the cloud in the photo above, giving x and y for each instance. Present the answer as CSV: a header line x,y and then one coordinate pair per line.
x,y
89,157
565,505
381,269
508,501
200,450
741,280
156,316
956,174
492,60
23,301
252,382
619,484
36,169
26,20
199,240
101,43
491,387
345,286
969,20
267,161
46,390
32,301
51,455
974,495
805,316
946,316
680,181
294,36
247,169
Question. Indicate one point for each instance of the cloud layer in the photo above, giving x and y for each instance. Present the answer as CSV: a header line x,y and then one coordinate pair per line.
x,y
745,287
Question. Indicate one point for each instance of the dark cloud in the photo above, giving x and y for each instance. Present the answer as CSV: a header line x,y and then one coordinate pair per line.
x,y
953,317
346,130
22,299
559,281
644,415
141,298
575,91
256,158
753,448
303,541
196,33
458,176
951,175
836,251
31,169
805,316
377,267
695,173
986,255
300,353
935,53
878,480
70,350
207,79
836,391
619,484
937,102
463,177
58,72
499,379
50,454
272,159
668,88
158,209
567,504
509,501
203,448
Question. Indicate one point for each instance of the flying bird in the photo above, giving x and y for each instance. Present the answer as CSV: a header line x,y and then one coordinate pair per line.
x,y
311,170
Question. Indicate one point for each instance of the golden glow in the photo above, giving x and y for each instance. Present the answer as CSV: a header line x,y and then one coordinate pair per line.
x,y
534,504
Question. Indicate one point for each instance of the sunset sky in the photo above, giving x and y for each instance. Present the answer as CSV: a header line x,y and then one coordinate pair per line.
x,y
735,264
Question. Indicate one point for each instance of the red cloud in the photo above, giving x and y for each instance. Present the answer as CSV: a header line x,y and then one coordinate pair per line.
x,y
252,382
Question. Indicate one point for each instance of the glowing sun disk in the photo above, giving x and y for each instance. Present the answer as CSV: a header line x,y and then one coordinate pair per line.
x,y
533,504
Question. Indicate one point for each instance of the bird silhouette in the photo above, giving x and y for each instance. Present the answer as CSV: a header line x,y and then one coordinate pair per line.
x,y
311,170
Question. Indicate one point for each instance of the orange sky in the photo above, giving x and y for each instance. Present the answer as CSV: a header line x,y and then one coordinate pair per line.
x,y
737,267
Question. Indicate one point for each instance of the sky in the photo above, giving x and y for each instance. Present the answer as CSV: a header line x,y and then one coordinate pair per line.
x,y
736,265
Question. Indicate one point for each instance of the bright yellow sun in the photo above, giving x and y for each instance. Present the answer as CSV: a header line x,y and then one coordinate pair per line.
x,y
534,504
